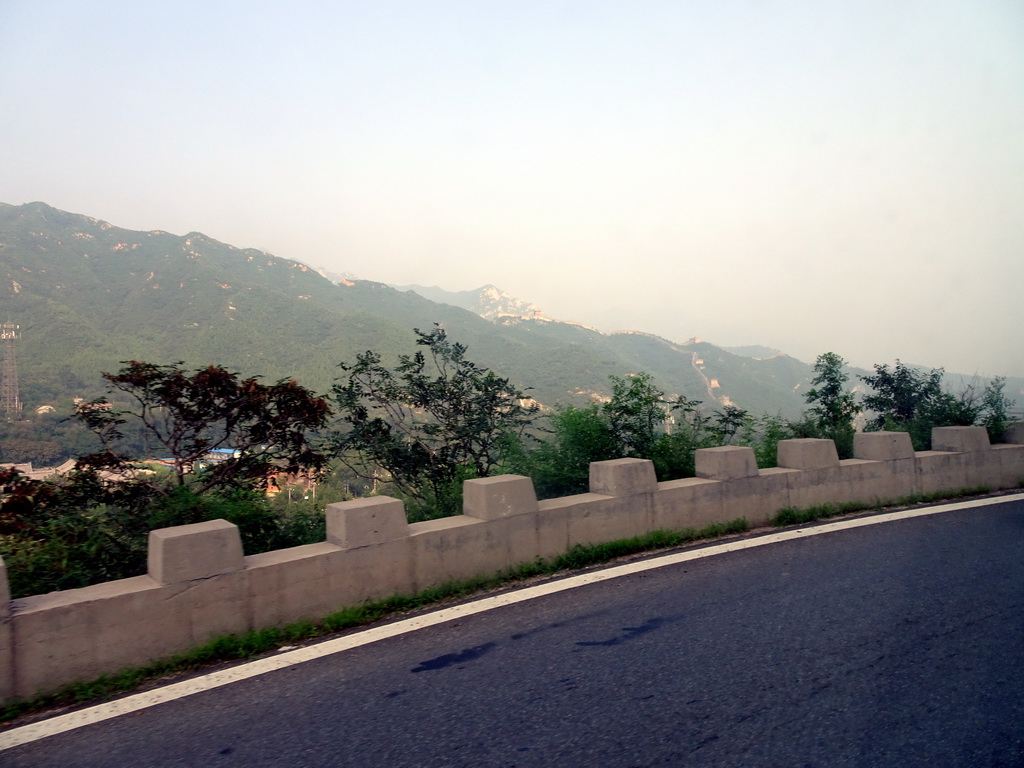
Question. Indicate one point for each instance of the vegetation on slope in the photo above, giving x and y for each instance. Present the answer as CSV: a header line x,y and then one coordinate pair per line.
x,y
89,295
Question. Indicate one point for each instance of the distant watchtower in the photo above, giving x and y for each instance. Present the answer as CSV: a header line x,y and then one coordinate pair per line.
x,y
9,401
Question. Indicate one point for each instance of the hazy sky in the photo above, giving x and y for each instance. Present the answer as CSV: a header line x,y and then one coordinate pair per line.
x,y
814,176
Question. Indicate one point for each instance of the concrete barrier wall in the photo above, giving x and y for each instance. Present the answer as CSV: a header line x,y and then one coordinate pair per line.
x,y
200,585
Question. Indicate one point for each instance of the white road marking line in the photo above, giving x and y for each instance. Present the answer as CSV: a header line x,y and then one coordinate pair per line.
x,y
139,701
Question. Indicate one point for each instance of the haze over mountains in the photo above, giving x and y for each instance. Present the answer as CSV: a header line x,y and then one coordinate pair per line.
x,y
491,302
88,294
488,301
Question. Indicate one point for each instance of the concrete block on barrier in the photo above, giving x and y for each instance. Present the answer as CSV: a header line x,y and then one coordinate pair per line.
x,y
1015,433
459,547
813,487
870,481
197,551
1011,466
492,498
362,522
882,446
756,499
287,585
205,609
985,468
82,633
595,518
691,502
622,477
371,573
727,462
79,634
960,439
6,639
938,471
5,592
553,524
807,453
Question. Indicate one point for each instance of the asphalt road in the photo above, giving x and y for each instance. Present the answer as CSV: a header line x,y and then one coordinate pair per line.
x,y
900,644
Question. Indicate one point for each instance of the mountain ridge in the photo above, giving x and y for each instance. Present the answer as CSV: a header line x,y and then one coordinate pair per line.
x,y
89,294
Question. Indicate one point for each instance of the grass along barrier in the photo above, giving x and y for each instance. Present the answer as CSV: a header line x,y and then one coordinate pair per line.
x,y
795,516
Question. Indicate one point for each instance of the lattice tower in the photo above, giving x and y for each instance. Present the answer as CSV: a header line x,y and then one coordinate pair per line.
x,y
9,401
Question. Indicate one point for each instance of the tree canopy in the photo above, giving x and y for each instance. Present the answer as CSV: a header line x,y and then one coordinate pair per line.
x,y
264,428
900,393
833,407
435,419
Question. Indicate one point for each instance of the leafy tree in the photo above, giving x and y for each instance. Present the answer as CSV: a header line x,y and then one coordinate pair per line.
x,y
763,435
560,465
268,428
635,413
631,424
38,452
833,408
900,394
84,529
92,525
433,421
43,439
728,422
913,401
994,409
628,425
691,419
951,410
904,399
70,534
910,400
691,429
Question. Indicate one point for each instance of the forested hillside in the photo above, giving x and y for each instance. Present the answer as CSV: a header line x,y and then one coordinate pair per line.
x,y
88,295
